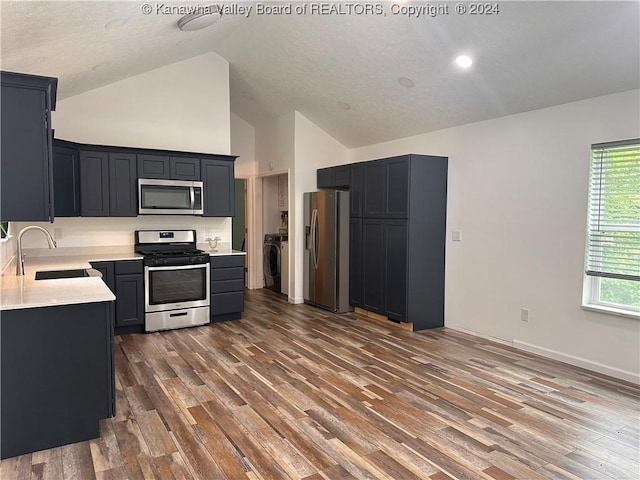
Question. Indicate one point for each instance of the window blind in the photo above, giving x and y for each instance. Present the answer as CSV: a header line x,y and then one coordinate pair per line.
x,y
613,240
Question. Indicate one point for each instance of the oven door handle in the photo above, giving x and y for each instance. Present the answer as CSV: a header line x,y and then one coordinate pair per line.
x,y
178,267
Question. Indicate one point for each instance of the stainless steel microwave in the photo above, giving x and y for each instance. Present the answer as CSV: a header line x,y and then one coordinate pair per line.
x,y
169,197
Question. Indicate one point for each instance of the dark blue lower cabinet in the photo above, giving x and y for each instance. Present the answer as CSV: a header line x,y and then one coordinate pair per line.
x,y
372,266
125,279
129,300
396,235
56,376
355,262
227,287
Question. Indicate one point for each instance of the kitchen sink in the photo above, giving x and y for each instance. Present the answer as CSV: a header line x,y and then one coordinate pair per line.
x,y
52,274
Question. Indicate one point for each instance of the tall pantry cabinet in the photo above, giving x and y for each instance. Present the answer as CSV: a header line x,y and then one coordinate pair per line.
x,y
397,236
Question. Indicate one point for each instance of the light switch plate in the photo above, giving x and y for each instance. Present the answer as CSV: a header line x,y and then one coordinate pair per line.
x,y
456,235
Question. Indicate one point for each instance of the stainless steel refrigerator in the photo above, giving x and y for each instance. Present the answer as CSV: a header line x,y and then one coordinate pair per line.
x,y
326,252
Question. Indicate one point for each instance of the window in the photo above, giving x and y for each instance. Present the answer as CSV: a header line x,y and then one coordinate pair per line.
x,y
612,279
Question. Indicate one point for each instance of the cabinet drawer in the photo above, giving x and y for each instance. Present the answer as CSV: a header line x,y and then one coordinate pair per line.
x,y
225,286
227,273
222,303
227,261
128,267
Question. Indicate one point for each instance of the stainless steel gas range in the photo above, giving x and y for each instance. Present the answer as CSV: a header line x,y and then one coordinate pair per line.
x,y
176,279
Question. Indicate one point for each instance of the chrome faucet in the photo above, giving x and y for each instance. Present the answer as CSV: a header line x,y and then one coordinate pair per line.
x,y
20,260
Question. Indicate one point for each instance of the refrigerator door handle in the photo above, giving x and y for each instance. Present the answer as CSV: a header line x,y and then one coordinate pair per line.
x,y
314,236
315,241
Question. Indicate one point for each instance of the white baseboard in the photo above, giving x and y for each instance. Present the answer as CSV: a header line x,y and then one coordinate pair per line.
x,y
562,357
295,301
579,362
481,335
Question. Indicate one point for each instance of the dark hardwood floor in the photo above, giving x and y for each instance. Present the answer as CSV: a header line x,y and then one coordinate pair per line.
x,y
296,392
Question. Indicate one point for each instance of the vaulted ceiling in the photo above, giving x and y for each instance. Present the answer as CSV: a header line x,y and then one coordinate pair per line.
x,y
341,69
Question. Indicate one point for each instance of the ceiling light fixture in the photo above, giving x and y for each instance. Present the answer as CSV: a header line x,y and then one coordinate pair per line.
x,y
344,105
202,18
406,82
464,61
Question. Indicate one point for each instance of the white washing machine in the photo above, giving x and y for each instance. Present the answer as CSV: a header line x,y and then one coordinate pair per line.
x,y
284,264
272,261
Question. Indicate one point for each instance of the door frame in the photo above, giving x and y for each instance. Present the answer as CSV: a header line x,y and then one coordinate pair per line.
x,y
255,234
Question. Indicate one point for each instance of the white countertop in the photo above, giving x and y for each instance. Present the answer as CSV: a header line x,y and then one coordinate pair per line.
x,y
224,251
17,292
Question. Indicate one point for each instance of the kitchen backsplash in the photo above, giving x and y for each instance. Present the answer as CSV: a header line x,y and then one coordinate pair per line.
x,y
109,231
7,251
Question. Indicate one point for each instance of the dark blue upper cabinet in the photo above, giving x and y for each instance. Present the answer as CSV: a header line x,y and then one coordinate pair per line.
x,y
184,168
219,186
123,198
356,190
374,188
153,166
26,190
333,177
66,179
396,196
94,184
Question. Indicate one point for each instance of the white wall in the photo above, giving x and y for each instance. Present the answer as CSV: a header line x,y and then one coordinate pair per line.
x,y
275,145
243,144
314,148
183,106
517,190
270,212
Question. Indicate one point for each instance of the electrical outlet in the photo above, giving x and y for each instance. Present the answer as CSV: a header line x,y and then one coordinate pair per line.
x,y
456,235
57,233
524,314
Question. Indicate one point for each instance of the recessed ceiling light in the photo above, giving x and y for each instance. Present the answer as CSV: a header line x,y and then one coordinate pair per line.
x,y
406,82
344,105
464,61
204,17
117,23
